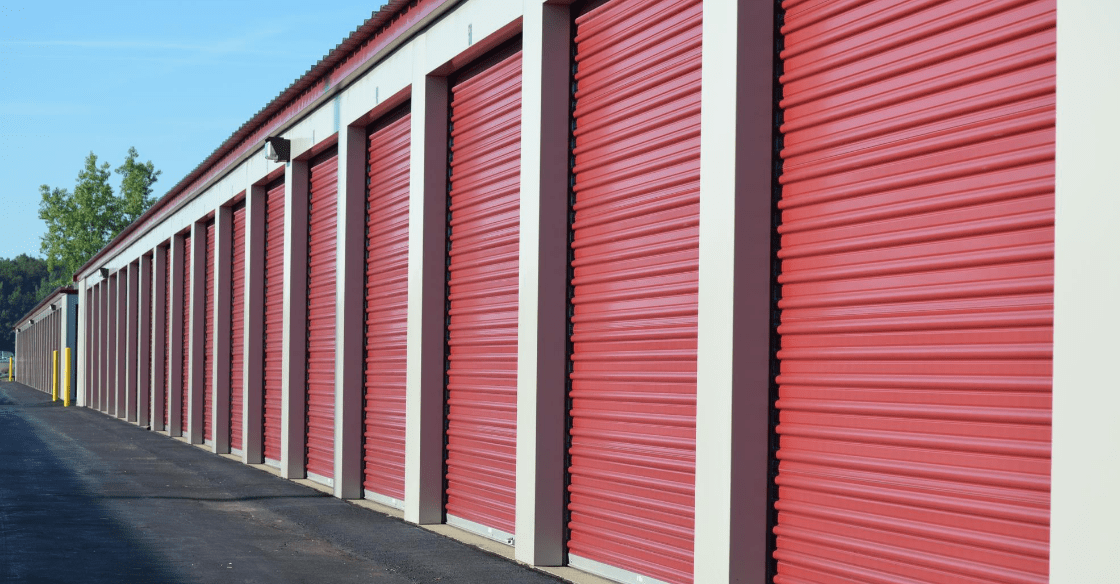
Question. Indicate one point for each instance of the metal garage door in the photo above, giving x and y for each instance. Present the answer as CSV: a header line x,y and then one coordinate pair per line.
x,y
322,237
151,335
120,330
482,296
106,353
185,314
98,347
386,304
110,399
166,332
208,344
917,292
635,252
237,330
273,319
90,323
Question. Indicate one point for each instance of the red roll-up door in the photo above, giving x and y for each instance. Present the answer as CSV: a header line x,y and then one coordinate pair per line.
x,y
88,308
386,304
151,331
110,399
322,227
103,340
237,329
482,295
185,355
635,250
208,335
273,318
166,332
917,292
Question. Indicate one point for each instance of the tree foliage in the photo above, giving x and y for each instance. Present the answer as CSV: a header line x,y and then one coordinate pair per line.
x,y
80,223
136,187
24,281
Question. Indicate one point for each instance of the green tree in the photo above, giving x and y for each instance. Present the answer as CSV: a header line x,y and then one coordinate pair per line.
x,y
136,187
79,224
23,283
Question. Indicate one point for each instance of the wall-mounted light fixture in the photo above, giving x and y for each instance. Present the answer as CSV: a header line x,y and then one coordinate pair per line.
x,y
277,149
104,272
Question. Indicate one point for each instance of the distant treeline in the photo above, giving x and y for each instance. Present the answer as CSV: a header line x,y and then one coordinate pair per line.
x,y
24,281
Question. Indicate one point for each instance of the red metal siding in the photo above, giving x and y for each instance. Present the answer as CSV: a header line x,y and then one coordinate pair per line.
x,y
386,304
635,255
482,286
322,238
917,292
99,348
150,325
184,356
120,346
273,318
109,403
166,332
103,339
208,332
88,341
237,330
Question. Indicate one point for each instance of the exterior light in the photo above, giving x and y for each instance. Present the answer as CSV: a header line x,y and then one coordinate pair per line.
x,y
104,272
277,149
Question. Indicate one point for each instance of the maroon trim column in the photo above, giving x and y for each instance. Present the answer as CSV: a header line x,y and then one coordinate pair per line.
x,y
733,365
220,312
350,315
144,342
253,406
159,338
197,363
131,373
293,422
427,245
542,359
179,283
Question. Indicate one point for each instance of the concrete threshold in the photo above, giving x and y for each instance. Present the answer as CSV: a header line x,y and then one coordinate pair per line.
x,y
314,485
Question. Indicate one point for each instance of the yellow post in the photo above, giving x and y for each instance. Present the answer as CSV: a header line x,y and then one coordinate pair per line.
x,y
9,368
54,375
66,377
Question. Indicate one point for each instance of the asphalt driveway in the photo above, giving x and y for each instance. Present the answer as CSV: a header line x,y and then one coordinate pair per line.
x,y
86,498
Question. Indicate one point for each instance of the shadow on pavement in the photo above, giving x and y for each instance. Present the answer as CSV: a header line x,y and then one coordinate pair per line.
x,y
51,529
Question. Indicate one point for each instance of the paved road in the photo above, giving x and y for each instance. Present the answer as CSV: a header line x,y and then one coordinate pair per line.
x,y
85,498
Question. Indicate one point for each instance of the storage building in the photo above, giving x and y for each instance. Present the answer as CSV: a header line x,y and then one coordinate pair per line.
x,y
661,290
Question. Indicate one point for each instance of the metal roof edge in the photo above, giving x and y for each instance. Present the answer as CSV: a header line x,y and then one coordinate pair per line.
x,y
351,45
45,301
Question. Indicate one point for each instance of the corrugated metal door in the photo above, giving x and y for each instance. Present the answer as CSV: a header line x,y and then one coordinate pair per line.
x,y
273,318
237,330
90,365
109,405
386,304
635,251
208,335
150,326
166,333
482,295
322,237
917,292
185,355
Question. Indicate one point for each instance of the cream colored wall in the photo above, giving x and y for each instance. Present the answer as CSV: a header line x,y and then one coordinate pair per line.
x,y
1085,491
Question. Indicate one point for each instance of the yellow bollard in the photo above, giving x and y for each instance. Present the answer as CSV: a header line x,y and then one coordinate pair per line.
x,y
54,376
66,377
9,368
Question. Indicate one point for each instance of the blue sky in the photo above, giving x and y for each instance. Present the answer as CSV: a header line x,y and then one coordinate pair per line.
x,y
172,78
